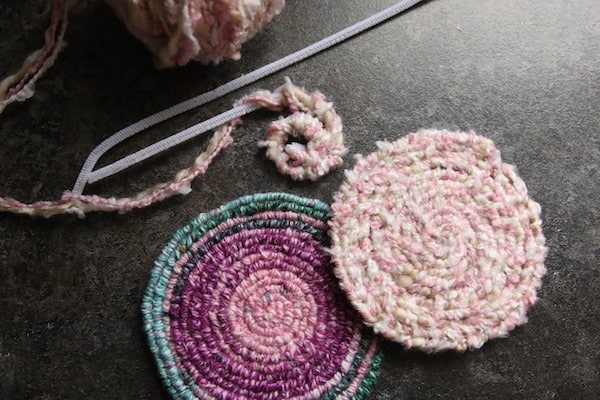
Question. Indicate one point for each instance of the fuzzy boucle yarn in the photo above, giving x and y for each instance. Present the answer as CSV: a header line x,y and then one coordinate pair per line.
x,y
243,304
436,241
178,31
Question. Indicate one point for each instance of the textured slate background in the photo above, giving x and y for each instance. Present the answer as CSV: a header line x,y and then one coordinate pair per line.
x,y
524,73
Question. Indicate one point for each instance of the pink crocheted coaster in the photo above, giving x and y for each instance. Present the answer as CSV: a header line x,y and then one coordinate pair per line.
x,y
436,241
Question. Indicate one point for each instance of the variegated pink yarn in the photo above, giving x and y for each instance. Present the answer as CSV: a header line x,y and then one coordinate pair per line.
x,y
178,31
436,241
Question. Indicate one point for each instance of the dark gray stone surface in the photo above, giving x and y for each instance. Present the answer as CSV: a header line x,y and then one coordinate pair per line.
x,y
524,73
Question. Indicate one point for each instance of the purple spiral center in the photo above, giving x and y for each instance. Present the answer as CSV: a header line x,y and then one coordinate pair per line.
x,y
259,309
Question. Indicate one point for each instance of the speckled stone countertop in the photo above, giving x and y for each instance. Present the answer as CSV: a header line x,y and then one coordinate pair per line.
x,y
524,73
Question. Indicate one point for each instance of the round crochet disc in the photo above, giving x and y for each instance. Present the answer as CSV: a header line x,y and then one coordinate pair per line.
x,y
436,242
243,304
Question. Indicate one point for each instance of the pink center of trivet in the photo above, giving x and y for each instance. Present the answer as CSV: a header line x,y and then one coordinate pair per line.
x,y
272,311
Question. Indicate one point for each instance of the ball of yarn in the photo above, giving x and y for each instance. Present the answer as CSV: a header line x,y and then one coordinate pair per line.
x,y
243,304
436,241
178,31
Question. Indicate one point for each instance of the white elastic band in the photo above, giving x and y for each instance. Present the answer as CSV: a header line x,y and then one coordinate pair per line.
x,y
170,141
86,175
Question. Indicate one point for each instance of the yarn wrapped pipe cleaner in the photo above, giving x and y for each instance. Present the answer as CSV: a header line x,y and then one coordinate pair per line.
x,y
312,118
19,87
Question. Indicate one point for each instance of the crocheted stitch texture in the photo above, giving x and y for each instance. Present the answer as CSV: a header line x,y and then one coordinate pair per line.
x,y
243,304
436,241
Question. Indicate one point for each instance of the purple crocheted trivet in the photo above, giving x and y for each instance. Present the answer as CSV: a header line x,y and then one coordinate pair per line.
x,y
243,304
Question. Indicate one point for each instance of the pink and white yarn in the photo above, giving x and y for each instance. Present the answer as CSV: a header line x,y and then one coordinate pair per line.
x,y
179,31
313,120
20,86
436,241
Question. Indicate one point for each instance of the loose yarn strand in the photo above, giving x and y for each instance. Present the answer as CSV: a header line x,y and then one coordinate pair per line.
x,y
313,117
20,85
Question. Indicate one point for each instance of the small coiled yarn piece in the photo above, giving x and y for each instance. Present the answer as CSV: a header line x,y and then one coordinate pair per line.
x,y
242,304
179,31
436,241
313,121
